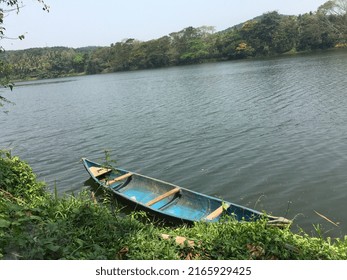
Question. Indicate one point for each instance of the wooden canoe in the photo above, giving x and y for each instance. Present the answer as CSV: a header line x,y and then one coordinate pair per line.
x,y
168,201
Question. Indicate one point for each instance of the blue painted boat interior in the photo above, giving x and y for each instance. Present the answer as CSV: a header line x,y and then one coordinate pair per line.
x,y
186,205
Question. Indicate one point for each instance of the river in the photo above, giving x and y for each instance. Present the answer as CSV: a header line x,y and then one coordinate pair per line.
x,y
268,134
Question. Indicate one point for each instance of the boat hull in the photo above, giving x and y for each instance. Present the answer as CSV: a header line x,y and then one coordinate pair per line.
x,y
167,201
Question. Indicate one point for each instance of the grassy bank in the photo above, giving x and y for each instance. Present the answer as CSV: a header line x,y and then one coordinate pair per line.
x,y
35,224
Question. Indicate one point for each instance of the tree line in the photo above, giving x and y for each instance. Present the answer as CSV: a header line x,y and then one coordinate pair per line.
x,y
267,35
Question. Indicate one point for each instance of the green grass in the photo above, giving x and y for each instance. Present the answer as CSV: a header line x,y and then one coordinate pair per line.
x,y
35,224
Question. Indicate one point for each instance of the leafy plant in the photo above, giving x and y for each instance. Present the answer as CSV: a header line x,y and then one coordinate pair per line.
x,y
18,179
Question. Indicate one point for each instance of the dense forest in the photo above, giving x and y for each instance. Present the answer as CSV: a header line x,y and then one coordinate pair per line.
x,y
267,35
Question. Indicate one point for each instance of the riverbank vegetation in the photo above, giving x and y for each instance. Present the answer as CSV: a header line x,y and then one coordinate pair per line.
x,y
36,224
6,68
268,35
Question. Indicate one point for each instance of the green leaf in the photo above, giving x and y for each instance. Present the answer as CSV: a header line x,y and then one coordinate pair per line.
x,y
4,223
33,217
53,248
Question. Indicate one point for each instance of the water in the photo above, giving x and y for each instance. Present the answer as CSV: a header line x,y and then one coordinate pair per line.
x,y
268,134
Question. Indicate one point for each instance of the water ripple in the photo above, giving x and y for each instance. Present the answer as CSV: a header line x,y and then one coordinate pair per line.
x,y
260,133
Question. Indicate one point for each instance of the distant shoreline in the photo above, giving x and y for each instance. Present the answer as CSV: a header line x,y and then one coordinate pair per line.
x,y
288,54
269,35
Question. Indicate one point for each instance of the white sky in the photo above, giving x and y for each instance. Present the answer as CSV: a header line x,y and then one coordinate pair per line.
x,y
81,23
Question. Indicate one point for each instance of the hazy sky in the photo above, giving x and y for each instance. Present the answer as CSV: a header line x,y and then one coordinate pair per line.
x,y
80,23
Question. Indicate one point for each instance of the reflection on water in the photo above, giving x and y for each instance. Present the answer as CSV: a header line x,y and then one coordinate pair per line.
x,y
43,82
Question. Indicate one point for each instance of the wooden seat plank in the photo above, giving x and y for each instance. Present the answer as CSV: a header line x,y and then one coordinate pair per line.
x,y
98,171
120,178
161,197
215,213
